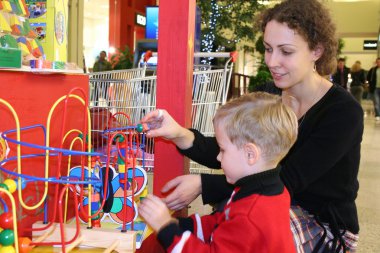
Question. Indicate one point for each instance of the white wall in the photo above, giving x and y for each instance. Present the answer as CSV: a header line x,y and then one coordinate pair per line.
x,y
353,51
355,18
356,21
95,29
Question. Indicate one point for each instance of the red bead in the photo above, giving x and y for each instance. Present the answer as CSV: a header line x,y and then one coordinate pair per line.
x,y
6,220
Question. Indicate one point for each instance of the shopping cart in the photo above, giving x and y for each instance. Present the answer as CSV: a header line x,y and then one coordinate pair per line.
x,y
99,94
137,96
122,74
133,97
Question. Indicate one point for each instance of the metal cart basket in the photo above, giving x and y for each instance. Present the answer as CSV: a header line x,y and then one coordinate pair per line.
x,y
136,96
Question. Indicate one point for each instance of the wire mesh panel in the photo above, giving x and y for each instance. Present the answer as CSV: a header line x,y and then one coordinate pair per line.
x,y
111,93
123,74
209,92
98,93
119,103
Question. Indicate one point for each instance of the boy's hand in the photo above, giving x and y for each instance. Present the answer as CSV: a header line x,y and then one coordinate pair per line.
x,y
154,212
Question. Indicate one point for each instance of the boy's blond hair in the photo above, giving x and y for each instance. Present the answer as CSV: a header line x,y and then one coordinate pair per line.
x,y
262,119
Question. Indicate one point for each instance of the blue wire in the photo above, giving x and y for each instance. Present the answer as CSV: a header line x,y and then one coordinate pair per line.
x,y
55,152
63,180
5,206
118,129
59,150
46,211
25,128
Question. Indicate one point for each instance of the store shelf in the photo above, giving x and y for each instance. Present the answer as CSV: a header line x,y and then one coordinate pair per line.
x,y
45,71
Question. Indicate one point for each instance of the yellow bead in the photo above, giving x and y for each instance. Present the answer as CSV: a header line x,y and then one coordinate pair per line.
x,y
121,168
144,192
12,186
7,249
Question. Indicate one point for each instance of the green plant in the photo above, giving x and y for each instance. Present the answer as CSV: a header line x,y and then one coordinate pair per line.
x,y
226,23
263,74
340,47
261,77
122,59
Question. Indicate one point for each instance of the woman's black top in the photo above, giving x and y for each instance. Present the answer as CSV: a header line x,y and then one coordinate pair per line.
x,y
320,171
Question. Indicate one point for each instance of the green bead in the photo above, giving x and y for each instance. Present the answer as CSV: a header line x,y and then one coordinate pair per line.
x,y
7,237
120,138
139,128
4,186
120,161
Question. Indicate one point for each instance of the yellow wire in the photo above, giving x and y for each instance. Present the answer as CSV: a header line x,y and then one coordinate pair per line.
x,y
18,146
89,141
69,132
47,152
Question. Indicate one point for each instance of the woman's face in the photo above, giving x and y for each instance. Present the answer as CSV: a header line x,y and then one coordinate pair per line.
x,y
287,55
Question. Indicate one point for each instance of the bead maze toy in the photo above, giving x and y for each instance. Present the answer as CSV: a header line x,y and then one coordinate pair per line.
x,y
90,200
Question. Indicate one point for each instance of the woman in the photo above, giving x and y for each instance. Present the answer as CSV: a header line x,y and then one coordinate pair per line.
x,y
320,171
358,80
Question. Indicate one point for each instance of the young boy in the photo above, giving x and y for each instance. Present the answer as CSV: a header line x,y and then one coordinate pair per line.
x,y
254,132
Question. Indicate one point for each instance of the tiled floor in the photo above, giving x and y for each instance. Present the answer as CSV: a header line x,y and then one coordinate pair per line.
x,y
368,201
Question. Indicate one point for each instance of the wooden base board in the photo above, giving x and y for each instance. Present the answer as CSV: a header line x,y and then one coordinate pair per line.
x,y
95,237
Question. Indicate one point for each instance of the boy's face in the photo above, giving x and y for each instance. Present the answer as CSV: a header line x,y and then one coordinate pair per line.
x,y
232,158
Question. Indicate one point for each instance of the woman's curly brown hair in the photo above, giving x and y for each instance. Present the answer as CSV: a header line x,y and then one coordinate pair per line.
x,y
313,22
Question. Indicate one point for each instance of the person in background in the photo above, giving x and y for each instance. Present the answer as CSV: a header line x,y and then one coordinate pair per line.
x,y
99,66
340,77
373,78
256,217
321,169
102,64
358,80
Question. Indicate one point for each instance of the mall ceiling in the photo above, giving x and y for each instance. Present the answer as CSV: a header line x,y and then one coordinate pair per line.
x,y
342,13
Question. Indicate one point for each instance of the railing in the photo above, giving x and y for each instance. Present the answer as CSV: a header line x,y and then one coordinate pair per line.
x,y
239,85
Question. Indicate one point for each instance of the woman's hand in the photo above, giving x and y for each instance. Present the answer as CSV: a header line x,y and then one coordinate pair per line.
x,y
184,190
154,212
161,124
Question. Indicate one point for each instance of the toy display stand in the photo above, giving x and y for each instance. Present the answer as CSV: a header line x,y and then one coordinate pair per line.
x,y
118,238
31,96
55,71
44,71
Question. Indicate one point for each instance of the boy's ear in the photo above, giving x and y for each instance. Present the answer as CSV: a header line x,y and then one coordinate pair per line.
x,y
252,152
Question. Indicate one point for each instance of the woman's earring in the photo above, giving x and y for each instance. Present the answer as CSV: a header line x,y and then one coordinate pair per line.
x,y
315,67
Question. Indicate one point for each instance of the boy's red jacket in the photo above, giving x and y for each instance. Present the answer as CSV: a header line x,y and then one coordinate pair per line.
x,y
255,219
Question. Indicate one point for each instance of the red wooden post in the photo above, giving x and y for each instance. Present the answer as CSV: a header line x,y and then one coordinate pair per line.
x,y
174,82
